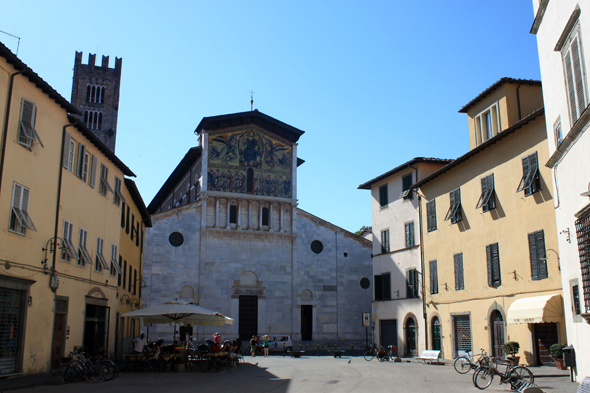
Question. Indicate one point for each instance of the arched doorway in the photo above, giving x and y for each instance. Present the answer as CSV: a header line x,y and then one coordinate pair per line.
x,y
248,307
436,343
497,329
410,337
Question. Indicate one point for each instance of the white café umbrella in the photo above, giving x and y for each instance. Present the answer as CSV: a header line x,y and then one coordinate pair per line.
x,y
180,312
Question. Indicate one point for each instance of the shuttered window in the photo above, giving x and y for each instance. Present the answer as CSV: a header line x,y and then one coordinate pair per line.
x,y
386,286
378,287
99,257
530,182
115,267
69,251
83,255
412,283
20,220
385,241
431,215
433,277
487,200
454,212
574,77
493,258
383,197
583,237
118,195
459,279
104,185
407,182
410,242
537,255
27,133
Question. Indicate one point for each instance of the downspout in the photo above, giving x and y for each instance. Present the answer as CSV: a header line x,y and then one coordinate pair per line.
x,y
422,264
518,100
6,118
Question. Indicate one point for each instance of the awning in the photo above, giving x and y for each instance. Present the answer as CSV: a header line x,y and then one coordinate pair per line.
x,y
537,309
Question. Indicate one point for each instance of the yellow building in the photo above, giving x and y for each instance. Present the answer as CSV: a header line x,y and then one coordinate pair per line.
x,y
60,202
491,266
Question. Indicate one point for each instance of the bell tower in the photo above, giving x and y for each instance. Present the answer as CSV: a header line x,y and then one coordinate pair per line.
x,y
95,92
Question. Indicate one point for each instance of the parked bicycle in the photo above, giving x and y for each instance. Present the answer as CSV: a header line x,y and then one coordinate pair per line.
x,y
80,367
371,352
515,376
465,363
387,354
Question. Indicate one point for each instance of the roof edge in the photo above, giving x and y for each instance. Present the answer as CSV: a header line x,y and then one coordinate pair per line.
x,y
416,160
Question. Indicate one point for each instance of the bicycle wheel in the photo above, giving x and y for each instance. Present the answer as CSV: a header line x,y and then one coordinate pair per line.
x,y
483,377
520,374
94,373
109,369
369,355
462,364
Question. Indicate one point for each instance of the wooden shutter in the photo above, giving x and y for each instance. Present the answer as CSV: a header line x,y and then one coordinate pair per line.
x,y
431,215
378,287
577,74
81,153
433,277
537,255
66,156
494,278
525,172
383,196
459,279
93,172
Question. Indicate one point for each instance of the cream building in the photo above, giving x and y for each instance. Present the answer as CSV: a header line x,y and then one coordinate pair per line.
x,y
562,29
490,244
397,312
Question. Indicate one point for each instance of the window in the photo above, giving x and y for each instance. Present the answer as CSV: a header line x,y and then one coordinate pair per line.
x,y
385,241
487,200
130,279
68,252
176,239
72,156
124,273
120,275
431,215
93,120
20,220
123,215
99,257
410,234
104,185
26,131
83,255
406,184
493,258
383,286
84,163
383,196
95,94
487,124
576,300
317,246
459,280
132,225
233,214
530,182
134,281
117,195
574,71
412,283
265,216
454,212
583,236
558,133
433,277
537,254
115,267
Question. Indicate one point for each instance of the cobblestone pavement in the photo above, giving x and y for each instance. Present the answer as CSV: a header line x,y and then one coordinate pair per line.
x,y
324,374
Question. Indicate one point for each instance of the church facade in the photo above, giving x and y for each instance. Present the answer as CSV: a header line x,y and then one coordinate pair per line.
x,y
227,235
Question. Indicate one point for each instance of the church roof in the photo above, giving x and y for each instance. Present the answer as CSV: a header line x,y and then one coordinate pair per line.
x,y
177,174
255,117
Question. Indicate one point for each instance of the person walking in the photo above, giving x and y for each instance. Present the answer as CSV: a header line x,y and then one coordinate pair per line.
x,y
265,344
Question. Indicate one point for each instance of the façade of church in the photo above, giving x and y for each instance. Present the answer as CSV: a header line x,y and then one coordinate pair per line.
x,y
227,235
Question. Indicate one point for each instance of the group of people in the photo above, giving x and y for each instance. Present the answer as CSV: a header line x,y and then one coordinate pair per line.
x,y
256,343
153,349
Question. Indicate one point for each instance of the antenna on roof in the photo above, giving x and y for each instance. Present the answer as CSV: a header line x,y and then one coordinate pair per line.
x,y
17,45
251,100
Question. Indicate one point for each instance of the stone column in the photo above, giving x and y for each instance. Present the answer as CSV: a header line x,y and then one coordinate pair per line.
x,y
216,212
281,217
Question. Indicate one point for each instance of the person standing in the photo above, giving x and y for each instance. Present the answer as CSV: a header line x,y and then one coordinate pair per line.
x,y
265,343
253,346
139,343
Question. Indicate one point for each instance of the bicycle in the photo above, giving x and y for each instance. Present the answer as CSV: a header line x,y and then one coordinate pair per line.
x,y
80,367
515,376
465,363
371,352
389,354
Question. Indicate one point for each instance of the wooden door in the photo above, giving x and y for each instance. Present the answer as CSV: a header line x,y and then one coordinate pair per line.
x,y
411,337
388,332
248,317
497,323
545,336
436,343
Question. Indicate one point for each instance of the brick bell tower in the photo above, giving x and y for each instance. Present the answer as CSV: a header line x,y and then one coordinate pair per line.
x,y
95,92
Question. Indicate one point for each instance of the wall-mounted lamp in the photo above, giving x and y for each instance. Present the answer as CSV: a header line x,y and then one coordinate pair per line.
x,y
568,235
556,253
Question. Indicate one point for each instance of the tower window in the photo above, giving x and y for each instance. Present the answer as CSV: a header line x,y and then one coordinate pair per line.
x,y
95,94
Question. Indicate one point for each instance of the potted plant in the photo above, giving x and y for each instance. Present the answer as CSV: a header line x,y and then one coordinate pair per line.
x,y
556,351
511,348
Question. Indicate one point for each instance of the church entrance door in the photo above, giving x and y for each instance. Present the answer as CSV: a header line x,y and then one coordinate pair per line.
x,y
306,322
248,317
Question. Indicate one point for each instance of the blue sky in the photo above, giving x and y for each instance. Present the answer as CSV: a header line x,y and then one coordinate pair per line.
x,y
372,83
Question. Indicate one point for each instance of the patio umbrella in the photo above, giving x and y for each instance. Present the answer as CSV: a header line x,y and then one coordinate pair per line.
x,y
180,312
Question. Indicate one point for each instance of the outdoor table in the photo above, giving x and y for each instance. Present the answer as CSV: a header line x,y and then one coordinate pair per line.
x,y
136,360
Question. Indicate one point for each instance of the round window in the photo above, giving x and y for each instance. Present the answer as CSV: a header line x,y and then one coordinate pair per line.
x,y
176,239
317,246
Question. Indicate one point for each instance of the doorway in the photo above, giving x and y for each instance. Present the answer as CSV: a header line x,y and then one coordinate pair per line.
x,y
545,336
436,343
388,332
306,322
410,337
497,322
248,316
96,330
59,332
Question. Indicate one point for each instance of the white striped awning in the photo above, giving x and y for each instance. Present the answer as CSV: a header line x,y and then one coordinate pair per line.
x,y
537,309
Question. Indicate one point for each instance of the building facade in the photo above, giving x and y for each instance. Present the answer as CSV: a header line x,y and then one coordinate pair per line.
x,y
490,245
227,235
397,311
562,30
95,92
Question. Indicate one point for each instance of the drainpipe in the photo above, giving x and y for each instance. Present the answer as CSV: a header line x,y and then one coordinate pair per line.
x,y
422,264
518,100
6,118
